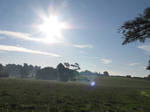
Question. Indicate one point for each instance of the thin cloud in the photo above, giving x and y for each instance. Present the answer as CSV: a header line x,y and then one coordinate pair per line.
x,y
88,57
146,48
28,37
83,46
79,46
23,36
82,52
22,49
133,64
106,61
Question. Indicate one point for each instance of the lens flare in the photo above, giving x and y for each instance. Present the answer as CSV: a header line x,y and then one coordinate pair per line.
x,y
93,83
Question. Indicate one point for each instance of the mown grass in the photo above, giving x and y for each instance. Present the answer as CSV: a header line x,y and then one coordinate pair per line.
x,y
110,94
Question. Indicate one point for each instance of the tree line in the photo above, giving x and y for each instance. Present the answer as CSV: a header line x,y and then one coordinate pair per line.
x,y
63,72
14,70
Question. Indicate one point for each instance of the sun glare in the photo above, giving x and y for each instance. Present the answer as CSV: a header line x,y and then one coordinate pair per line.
x,y
52,29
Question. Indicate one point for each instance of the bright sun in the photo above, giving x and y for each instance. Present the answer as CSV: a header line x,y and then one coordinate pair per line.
x,y
52,29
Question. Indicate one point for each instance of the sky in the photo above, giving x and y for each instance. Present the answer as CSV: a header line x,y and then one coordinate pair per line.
x,y
49,32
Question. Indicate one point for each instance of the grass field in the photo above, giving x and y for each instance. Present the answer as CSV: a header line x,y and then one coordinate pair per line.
x,y
110,94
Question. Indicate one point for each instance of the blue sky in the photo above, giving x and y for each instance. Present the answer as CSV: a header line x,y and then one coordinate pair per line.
x,y
91,37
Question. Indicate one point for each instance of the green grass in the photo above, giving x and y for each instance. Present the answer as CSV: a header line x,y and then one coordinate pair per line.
x,y
111,94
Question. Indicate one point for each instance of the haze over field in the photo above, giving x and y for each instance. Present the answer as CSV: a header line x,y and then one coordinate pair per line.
x,y
47,32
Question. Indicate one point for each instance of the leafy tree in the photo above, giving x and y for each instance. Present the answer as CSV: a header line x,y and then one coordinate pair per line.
x,y
148,76
48,73
29,69
62,73
137,29
13,70
2,73
18,70
87,72
60,68
23,72
1,68
65,74
67,65
106,73
77,66
129,76
148,67
73,66
73,74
